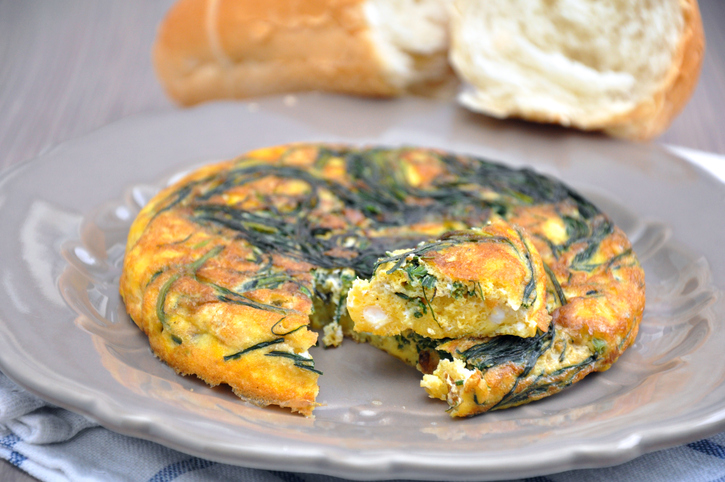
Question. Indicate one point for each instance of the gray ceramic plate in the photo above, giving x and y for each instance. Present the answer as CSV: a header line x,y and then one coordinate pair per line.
x,y
64,334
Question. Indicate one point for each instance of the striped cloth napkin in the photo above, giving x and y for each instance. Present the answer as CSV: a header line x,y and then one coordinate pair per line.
x,y
53,444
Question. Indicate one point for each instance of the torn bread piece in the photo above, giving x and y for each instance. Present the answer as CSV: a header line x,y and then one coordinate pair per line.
x,y
234,49
623,67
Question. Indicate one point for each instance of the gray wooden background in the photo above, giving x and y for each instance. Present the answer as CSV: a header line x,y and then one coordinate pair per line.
x,y
69,67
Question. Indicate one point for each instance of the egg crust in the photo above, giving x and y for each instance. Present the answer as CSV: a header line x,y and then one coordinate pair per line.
x,y
484,282
229,270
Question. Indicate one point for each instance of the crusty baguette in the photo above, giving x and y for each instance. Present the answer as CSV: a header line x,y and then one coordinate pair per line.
x,y
626,67
215,49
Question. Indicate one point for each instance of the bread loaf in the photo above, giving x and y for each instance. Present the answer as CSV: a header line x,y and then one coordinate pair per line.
x,y
214,49
626,67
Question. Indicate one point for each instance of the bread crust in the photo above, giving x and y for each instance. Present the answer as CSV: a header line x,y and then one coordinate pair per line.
x,y
212,49
653,116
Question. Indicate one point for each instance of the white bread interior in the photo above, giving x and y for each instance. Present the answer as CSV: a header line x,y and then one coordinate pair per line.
x,y
410,38
215,49
624,66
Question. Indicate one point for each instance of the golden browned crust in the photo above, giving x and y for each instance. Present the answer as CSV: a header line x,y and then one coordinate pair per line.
x,y
596,298
484,282
653,116
605,297
617,298
215,49
198,330
497,264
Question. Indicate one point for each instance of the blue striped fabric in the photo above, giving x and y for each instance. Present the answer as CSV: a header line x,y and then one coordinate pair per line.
x,y
74,455
708,447
175,465
171,472
9,442
287,476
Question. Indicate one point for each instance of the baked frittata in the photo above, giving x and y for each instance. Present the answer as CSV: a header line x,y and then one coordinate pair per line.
x,y
485,282
502,285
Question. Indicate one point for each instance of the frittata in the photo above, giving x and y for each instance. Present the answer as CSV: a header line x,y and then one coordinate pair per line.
x,y
502,285
487,282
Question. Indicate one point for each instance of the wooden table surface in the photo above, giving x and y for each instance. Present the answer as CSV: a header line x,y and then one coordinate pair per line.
x,y
67,68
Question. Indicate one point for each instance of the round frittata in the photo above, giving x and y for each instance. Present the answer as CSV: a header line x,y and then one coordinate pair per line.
x,y
506,285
